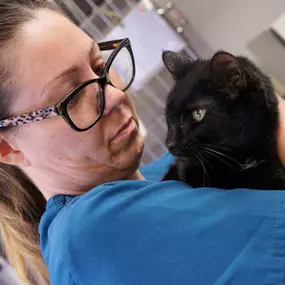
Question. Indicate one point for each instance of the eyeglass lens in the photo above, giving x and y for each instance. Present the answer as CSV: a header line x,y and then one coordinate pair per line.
x,y
86,106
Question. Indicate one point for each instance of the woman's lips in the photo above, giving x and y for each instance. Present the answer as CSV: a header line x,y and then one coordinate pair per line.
x,y
124,130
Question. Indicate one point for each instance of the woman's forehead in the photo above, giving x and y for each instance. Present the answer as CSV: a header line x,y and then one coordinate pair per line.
x,y
50,45
51,38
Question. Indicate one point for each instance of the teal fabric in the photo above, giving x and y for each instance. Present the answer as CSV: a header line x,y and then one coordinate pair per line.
x,y
156,170
149,232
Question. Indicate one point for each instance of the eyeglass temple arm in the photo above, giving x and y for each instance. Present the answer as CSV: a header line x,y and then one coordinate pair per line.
x,y
109,44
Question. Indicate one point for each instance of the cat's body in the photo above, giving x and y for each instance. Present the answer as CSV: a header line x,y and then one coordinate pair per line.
x,y
222,117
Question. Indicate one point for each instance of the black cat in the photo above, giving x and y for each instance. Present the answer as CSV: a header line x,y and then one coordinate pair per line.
x,y
222,117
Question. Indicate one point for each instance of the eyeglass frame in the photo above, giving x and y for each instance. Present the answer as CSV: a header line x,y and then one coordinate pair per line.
x,y
60,108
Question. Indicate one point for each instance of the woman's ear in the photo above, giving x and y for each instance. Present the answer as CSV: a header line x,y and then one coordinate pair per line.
x,y
9,155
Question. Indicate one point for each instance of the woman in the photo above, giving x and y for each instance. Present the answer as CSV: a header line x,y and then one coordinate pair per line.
x,y
66,127
75,161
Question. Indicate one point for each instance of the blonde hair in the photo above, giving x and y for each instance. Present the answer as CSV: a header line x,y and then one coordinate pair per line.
x,y
21,203
21,207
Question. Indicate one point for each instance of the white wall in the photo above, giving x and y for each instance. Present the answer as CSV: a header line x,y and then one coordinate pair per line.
x,y
229,24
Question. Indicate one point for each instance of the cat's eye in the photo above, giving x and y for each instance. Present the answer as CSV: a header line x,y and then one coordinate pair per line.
x,y
199,114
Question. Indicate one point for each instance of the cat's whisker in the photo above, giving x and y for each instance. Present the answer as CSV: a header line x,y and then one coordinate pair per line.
x,y
218,157
224,155
205,174
217,147
208,162
203,169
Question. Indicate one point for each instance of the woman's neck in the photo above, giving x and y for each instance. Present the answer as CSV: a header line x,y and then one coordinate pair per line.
x,y
79,187
281,131
136,176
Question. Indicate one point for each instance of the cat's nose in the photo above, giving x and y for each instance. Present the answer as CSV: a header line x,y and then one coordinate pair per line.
x,y
170,145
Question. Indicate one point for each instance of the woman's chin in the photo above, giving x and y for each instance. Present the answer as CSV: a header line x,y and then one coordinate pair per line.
x,y
128,152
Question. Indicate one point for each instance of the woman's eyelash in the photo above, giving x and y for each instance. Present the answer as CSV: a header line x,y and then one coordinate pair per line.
x,y
99,69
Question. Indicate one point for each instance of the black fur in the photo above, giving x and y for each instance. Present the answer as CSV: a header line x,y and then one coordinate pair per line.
x,y
234,146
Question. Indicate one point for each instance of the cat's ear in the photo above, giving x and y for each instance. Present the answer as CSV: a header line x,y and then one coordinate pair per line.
x,y
226,73
176,63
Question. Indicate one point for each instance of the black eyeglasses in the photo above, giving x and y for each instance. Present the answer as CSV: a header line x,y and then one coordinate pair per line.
x,y
83,107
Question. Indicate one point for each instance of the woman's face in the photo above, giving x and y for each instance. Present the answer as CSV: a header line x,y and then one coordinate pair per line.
x,y
53,57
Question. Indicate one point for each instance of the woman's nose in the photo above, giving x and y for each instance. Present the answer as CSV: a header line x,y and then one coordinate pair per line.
x,y
113,97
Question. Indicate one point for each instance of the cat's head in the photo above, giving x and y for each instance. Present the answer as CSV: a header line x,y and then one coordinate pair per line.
x,y
226,102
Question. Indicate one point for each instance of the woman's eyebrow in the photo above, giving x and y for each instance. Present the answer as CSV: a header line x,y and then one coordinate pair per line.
x,y
73,69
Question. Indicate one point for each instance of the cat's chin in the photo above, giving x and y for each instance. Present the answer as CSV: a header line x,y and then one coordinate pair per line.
x,y
183,154
188,157
188,160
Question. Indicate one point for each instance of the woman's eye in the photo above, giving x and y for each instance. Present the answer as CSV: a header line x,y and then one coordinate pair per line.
x,y
199,114
74,99
99,69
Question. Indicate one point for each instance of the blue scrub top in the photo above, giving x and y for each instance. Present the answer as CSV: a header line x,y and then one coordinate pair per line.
x,y
150,232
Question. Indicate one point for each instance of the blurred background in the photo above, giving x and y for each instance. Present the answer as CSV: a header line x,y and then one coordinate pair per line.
x,y
254,28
